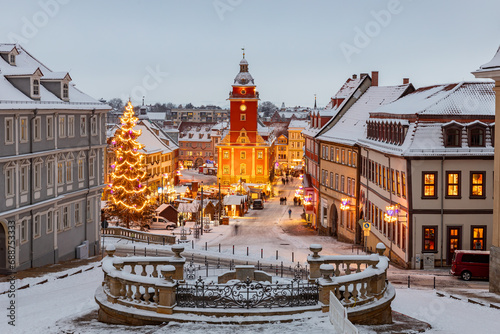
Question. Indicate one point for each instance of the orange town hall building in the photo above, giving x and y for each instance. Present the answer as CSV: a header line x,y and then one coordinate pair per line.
x,y
243,153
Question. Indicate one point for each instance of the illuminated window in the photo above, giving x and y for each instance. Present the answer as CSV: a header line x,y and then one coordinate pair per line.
x,y
477,187
260,155
226,154
243,117
23,131
453,184
259,170
398,184
337,155
478,237
243,169
403,184
429,185
429,238
243,155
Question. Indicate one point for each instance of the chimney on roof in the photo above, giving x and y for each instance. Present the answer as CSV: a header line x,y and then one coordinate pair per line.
x,y
375,78
406,81
354,76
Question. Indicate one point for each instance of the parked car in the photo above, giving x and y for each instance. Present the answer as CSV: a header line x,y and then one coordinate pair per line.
x,y
160,223
470,263
258,204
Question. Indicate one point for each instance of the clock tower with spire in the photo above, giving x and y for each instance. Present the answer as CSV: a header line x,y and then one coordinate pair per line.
x,y
243,154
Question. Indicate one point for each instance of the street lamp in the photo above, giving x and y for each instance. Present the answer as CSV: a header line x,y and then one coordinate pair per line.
x,y
391,216
220,203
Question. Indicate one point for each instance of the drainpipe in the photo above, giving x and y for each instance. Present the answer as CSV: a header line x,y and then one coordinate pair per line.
x,y
391,230
35,112
442,210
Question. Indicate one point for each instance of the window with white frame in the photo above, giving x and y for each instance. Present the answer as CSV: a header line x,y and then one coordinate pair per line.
x,y
24,230
93,125
37,174
9,130
57,218
50,222
65,91
69,170
60,172
36,87
89,208
91,165
65,217
81,169
62,126
50,127
36,226
9,179
23,177
37,133
83,125
78,217
71,126
23,129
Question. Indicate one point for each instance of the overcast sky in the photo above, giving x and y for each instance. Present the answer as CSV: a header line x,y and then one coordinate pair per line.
x,y
188,51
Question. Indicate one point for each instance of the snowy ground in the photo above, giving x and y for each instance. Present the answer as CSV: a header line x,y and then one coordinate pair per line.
x,y
67,305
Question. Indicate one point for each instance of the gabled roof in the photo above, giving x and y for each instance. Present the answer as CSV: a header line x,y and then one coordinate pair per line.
x,y
351,126
27,65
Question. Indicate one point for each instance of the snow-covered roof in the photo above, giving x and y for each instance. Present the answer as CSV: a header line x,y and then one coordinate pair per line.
x,y
298,123
462,98
13,98
348,88
195,131
352,125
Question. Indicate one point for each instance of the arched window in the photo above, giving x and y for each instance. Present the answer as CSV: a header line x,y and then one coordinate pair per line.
x,y
452,137
476,137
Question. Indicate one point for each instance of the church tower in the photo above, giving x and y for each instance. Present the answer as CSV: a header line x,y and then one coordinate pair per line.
x,y
243,154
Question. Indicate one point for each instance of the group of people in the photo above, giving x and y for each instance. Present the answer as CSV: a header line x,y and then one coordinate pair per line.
x,y
282,200
297,201
284,180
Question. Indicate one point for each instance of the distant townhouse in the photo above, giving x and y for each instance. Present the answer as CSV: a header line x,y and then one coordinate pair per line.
x,y
52,156
296,143
195,143
339,190
426,171
199,115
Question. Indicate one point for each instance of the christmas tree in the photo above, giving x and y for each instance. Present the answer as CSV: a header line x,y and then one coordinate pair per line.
x,y
127,197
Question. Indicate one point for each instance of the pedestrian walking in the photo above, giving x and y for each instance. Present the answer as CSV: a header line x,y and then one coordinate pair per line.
x,y
285,200
290,213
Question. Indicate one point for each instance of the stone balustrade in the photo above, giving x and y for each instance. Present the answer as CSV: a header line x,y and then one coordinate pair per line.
x,y
142,282
120,232
357,286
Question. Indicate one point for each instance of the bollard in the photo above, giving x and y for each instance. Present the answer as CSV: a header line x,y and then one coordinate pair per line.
x,y
163,240
192,244
276,254
145,251
206,246
258,265
134,250
206,265
157,252
281,269
261,253
247,251
434,282
292,258
408,281
233,249
219,248
148,240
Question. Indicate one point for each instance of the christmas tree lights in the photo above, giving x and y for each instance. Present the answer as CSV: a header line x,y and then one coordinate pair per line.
x,y
128,199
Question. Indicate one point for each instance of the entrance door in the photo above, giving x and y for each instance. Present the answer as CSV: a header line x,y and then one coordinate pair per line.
x,y
454,242
333,220
3,248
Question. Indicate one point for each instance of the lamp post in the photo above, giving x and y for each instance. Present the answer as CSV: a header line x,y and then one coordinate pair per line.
x,y
201,208
220,204
344,206
390,217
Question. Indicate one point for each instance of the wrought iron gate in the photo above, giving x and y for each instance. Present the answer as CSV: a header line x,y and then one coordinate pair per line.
x,y
247,294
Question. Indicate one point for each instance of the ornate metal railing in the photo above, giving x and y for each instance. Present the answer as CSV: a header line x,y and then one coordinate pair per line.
x,y
247,294
120,232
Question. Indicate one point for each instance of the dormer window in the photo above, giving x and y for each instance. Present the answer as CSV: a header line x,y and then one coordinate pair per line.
x,y
36,87
452,137
65,91
12,59
476,137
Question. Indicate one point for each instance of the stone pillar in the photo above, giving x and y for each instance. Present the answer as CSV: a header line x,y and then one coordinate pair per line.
x,y
315,261
178,262
166,301
326,285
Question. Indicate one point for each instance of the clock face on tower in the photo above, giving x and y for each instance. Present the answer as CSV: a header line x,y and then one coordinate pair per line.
x,y
243,107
